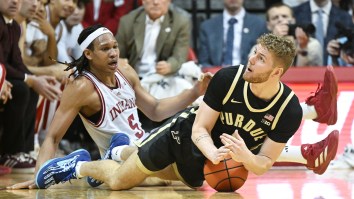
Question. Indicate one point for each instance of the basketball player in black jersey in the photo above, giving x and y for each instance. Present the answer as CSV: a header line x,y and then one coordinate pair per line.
x,y
246,113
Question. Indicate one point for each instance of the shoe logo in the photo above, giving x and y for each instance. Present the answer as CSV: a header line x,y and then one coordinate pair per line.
x,y
62,166
235,102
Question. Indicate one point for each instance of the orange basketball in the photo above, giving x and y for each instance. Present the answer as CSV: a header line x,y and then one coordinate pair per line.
x,y
227,176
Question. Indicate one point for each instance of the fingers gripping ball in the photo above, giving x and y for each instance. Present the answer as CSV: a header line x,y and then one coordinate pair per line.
x,y
227,176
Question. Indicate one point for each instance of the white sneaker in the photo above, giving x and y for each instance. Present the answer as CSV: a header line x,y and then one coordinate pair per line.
x,y
339,163
348,154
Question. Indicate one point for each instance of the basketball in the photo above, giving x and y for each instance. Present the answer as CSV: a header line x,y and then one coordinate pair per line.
x,y
227,176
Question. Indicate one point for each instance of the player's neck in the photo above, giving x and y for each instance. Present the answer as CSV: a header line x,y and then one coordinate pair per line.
x,y
266,90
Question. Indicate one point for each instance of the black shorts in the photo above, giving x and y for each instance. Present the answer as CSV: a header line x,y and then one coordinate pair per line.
x,y
172,144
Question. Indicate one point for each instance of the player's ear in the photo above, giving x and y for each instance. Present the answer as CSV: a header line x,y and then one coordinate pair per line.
x,y
88,54
278,71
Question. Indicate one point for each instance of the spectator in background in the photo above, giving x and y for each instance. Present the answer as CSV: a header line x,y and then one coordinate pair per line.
x,y
155,40
37,42
74,26
346,5
280,19
32,12
217,47
326,29
107,13
19,113
341,53
155,37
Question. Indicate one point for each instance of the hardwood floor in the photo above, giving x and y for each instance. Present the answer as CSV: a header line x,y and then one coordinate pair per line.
x,y
278,183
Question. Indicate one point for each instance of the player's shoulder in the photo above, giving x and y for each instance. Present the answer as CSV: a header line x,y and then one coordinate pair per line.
x,y
293,107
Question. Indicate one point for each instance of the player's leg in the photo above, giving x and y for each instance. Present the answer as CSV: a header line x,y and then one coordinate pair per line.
x,y
316,156
116,176
322,106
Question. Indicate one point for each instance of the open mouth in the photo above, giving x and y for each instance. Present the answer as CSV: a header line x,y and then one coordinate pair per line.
x,y
113,63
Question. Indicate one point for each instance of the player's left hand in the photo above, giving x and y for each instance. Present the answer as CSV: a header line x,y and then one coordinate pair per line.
x,y
238,149
202,83
23,185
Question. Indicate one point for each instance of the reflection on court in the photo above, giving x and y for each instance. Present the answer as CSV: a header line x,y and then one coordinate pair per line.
x,y
276,184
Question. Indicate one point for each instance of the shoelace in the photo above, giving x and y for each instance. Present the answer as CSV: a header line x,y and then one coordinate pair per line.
x,y
69,177
319,87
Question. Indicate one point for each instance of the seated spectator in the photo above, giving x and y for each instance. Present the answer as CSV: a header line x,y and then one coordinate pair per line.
x,y
74,26
341,53
38,40
155,37
346,5
280,21
227,39
107,13
17,139
324,15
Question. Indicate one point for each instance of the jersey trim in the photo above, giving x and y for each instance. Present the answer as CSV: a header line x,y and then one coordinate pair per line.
x,y
175,169
128,82
103,107
287,100
233,85
141,166
245,91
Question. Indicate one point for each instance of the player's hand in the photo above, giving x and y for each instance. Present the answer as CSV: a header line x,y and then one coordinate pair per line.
x,y
23,185
202,84
238,149
219,155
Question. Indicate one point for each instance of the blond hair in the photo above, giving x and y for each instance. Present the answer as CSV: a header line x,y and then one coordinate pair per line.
x,y
282,49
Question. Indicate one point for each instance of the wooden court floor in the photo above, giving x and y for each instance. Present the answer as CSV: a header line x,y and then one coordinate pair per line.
x,y
278,183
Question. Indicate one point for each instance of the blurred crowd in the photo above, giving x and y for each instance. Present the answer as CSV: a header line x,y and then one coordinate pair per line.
x,y
39,36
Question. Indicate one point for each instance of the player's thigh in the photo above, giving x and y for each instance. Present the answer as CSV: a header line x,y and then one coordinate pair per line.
x,y
128,175
167,173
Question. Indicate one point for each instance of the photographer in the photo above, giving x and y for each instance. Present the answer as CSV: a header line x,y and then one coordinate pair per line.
x,y
341,50
279,17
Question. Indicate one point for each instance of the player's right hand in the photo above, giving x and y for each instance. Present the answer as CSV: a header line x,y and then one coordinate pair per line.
x,y
30,184
219,155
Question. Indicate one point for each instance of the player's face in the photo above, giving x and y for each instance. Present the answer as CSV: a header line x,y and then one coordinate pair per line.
x,y
260,66
9,8
105,54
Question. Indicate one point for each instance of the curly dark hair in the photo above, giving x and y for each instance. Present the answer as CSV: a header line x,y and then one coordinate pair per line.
x,y
81,63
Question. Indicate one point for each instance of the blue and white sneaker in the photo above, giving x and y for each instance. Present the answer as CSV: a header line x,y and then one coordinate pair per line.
x,y
118,139
60,169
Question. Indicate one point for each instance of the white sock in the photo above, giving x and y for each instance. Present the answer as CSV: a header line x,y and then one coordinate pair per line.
x,y
292,154
77,169
117,151
308,111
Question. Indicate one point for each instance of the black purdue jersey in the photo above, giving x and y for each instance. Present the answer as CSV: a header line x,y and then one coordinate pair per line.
x,y
255,119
